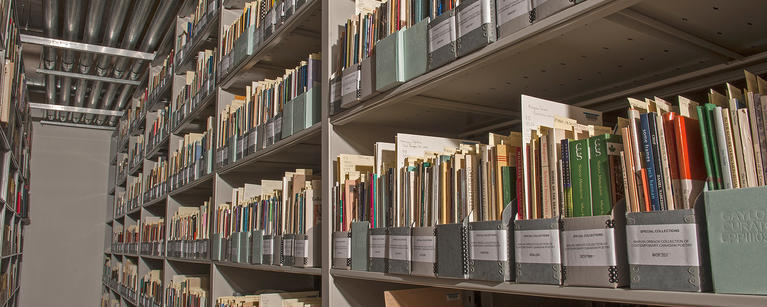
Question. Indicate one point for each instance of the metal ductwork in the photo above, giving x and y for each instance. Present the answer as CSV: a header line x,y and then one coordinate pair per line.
x,y
71,32
51,30
161,20
132,35
114,28
91,36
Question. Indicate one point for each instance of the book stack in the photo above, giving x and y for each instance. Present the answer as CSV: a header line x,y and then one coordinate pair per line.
x,y
150,288
122,167
156,181
129,278
203,12
187,290
123,129
160,79
136,152
189,231
114,275
117,239
159,129
134,194
13,77
153,236
132,239
135,114
105,298
270,110
192,159
292,299
120,204
252,14
198,85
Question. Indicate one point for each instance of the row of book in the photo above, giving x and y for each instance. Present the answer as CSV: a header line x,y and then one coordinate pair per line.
x,y
123,129
13,79
129,275
136,151
135,115
156,180
187,290
108,301
190,223
9,281
276,299
264,103
161,78
12,236
153,229
204,12
192,159
253,13
159,129
150,288
198,85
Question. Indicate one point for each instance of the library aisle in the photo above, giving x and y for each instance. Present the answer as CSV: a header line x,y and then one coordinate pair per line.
x,y
466,153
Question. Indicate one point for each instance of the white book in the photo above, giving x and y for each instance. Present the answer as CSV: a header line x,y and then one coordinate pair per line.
x,y
734,172
747,148
722,146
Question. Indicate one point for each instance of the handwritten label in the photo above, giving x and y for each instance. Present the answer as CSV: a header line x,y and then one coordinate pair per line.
x,y
469,18
341,248
510,9
442,34
377,246
350,82
590,247
537,246
287,247
267,247
489,245
423,249
665,244
399,248
301,248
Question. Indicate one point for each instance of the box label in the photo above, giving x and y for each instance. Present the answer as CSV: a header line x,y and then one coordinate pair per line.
x,y
510,9
287,247
267,247
377,246
301,248
399,248
423,249
537,246
664,244
589,247
341,248
442,34
489,245
470,18
350,82
335,87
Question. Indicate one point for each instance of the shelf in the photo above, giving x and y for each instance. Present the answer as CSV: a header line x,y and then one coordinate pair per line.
x,y
5,145
272,268
585,55
155,101
189,188
186,124
121,181
293,41
106,284
10,256
198,42
186,260
10,298
137,128
626,296
136,169
122,146
134,211
152,257
161,147
298,150
156,201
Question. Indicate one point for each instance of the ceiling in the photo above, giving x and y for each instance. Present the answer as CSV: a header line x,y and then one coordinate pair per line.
x,y
85,80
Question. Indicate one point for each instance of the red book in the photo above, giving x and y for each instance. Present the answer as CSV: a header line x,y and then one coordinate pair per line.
x,y
689,150
673,168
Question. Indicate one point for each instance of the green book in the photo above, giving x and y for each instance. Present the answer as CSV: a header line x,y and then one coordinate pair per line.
x,y
579,178
601,148
711,131
706,149
509,179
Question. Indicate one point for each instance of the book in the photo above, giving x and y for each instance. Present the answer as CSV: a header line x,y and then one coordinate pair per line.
x,y
649,162
603,152
580,178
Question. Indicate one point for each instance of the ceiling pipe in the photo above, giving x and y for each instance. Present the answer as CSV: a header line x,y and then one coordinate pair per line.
x,y
51,30
91,36
119,11
161,21
71,33
130,39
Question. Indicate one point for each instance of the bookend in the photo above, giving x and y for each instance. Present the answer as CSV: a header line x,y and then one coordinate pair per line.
x,y
546,8
308,248
278,258
217,247
511,19
474,34
256,246
489,248
594,250
399,253
335,95
243,247
287,119
350,86
415,50
677,268
536,251
423,260
267,249
231,150
244,46
306,109
368,77
378,249
287,249
252,141
734,218
359,247
342,253
276,128
452,251
389,61
270,23
288,8
442,38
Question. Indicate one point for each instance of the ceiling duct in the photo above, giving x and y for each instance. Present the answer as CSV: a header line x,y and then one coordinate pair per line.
x,y
91,36
71,32
51,30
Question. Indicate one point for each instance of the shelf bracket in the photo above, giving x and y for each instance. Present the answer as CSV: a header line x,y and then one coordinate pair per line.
x,y
643,23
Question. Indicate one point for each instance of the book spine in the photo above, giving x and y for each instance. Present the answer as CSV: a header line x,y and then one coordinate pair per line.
x,y
566,182
724,148
544,175
734,176
656,152
747,147
520,183
507,183
759,108
735,127
706,149
600,175
647,152
579,175
663,154
673,164
755,137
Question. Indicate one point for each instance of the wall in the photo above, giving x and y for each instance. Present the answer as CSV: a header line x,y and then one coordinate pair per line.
x,y
64,242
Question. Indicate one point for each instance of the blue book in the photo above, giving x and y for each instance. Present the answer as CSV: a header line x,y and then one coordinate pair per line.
x,y
649,161
653,118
